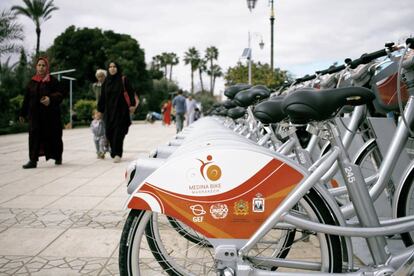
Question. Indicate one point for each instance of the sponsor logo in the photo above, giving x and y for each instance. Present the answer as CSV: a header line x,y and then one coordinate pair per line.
x,y
198,210
210,173
209,170
219,210
241,208
258,204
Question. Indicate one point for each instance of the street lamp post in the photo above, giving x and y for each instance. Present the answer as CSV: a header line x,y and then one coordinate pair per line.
x,y
272,21
251,4
247,53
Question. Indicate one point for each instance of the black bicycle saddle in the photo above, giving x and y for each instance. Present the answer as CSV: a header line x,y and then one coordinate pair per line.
x,y
229,104
236,112
252,95
270,111
231,91
307,105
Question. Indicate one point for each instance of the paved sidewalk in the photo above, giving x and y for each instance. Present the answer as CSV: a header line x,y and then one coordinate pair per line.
x,y
66,220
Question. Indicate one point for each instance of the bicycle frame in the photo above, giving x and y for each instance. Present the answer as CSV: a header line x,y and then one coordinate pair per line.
x,y
358,194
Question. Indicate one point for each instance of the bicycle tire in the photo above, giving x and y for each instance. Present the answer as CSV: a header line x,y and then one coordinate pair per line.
x,y
372,151
406,206
139,224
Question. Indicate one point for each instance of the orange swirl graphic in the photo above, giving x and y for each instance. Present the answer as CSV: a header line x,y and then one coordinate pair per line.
x,y
213,172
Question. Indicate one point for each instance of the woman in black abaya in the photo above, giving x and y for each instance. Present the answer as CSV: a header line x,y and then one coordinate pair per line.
x,y
41,105
115,108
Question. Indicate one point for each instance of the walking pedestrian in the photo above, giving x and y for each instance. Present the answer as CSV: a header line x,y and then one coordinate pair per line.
x,y
99,138
116,102
41,106
167,113
180,109
97,86
191,106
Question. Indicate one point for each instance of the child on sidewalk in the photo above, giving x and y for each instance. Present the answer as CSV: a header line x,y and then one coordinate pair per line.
x,y
98,130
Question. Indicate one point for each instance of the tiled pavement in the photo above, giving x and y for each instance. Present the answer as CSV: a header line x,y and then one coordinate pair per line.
x,y
66,220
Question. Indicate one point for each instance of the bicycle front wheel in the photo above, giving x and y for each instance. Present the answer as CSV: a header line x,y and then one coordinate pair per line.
x,y
150,246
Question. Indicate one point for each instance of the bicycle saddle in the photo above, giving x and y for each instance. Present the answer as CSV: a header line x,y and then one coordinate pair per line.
x,y
270,111
231,91
236,112
229,104
306,105
222,112
252,95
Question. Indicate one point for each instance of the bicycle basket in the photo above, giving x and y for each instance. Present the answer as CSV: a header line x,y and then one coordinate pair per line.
x,y
384,85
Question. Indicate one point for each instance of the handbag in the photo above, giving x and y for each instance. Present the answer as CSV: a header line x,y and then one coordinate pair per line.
x,y
126,96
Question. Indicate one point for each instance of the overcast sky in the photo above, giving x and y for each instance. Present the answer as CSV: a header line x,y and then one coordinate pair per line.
x,y
309,34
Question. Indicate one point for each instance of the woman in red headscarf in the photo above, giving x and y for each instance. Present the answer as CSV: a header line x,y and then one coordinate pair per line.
x,y
167,112
41,105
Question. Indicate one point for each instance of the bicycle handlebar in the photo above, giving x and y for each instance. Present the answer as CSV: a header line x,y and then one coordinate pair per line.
x,y
363,59
410,41
336,69
305,78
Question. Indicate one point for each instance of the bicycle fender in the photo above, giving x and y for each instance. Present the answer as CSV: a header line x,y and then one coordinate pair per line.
x,y
220,192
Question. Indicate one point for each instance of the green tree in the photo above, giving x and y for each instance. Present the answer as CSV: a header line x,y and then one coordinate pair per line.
x,y
84,110
163,62
23,71
202,67
7,83
261,74
206,99
161,91
172,61
10,33
215,72
39,11
211,55
98,47
192,57
154,71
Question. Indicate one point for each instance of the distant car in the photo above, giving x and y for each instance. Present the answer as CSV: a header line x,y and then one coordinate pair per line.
x,y
153,116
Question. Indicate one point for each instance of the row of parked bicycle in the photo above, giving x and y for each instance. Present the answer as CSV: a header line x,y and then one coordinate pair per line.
x,y
283,182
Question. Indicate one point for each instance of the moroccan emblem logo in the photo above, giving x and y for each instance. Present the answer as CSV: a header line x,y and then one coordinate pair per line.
x,y
219,210
209,170
241,208
258,204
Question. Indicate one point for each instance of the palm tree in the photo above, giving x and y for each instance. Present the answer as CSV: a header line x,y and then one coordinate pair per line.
x,y
10,32
172,61
39,11
211,54
161,61
156,63
214,72
202,67
192,57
